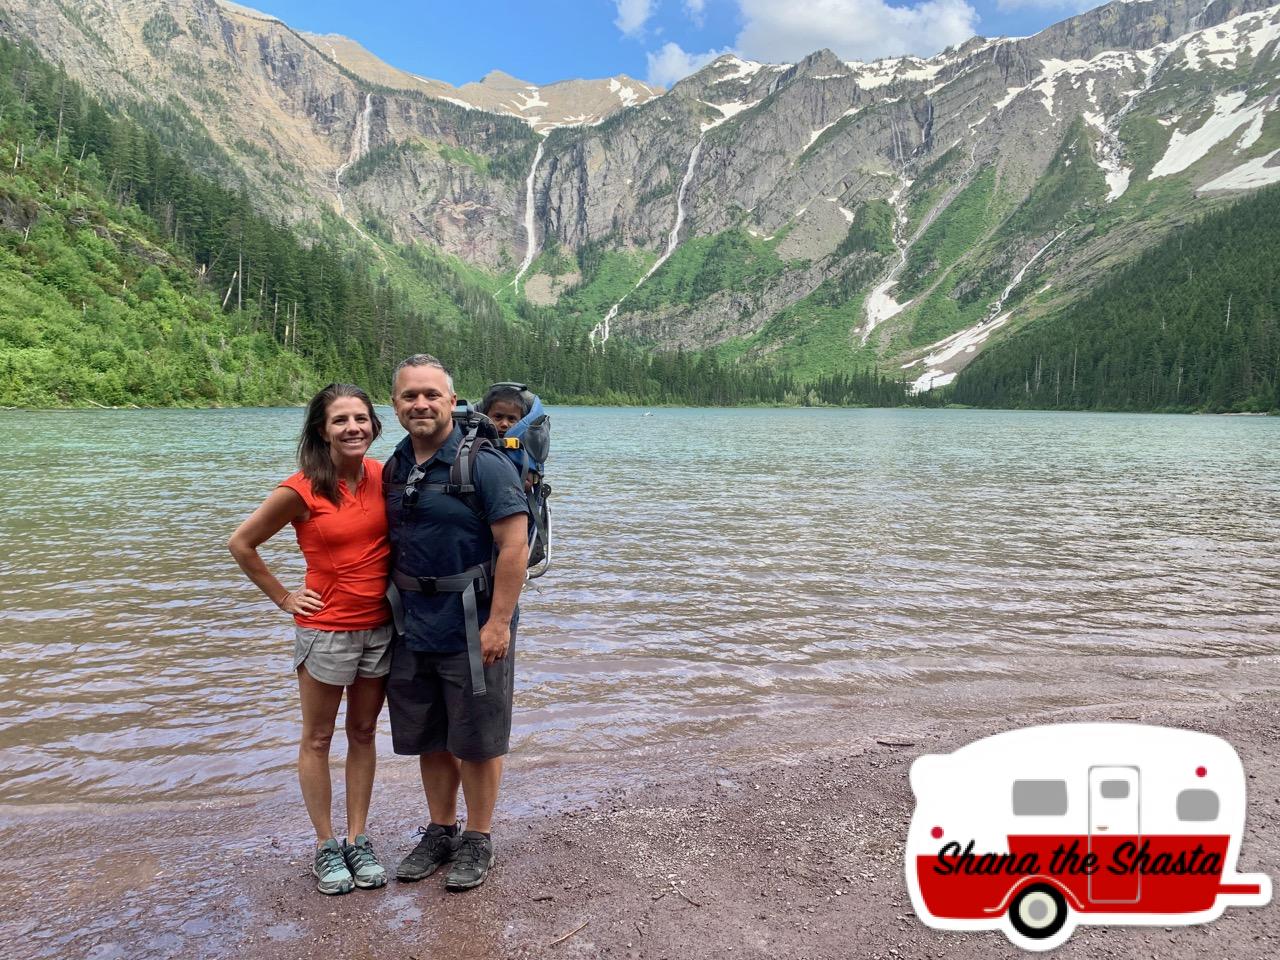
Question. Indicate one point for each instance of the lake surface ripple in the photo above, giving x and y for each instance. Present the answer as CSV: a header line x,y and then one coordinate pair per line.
x,y
710,566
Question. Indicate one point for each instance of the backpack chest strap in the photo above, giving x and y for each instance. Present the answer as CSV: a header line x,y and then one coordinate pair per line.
x,y
455,489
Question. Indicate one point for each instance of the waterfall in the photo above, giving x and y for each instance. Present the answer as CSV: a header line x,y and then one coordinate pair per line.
x,y
530,237
601,329
996,307
359,147
674,238
968,340
879,305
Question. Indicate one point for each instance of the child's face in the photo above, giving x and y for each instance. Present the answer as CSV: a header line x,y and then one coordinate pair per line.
x,y
504,415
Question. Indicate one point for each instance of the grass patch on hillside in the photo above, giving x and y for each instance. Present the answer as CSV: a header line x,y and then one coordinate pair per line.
x,y
553,260
870,232
1072,183
460,156
929,187
608,276
1145,140
816,336
391,154
702,266
962,224
941,315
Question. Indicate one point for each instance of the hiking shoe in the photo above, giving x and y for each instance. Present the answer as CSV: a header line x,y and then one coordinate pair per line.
x,y
472,862
363,863
332,875
437,846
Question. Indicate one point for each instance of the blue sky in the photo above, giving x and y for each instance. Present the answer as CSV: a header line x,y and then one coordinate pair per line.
x,y
655,40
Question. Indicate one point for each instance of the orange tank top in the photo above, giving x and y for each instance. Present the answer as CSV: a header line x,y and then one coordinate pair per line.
x,y
347,553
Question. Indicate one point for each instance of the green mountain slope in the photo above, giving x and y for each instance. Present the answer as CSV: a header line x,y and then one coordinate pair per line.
x,y
1193,324
125,277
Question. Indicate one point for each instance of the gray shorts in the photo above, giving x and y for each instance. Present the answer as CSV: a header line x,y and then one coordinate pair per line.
x,y
337,657
432,708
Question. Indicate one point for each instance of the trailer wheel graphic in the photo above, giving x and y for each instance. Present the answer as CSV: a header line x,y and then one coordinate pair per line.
x,y
1038,912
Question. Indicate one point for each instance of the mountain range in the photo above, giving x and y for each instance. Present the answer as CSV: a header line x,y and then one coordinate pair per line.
x,y
821,216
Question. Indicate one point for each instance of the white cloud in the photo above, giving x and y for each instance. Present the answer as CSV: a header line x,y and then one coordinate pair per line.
x,y
633,15
786,31
695,10
671,63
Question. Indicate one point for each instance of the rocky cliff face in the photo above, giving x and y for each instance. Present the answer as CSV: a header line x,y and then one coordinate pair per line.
x,y
826,213
567,103
1162,108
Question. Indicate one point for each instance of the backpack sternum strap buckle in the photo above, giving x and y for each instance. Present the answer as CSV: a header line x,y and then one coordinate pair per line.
x,y
480,575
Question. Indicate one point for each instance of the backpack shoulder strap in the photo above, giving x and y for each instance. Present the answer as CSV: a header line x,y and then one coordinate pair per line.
x,y
388,468
462,471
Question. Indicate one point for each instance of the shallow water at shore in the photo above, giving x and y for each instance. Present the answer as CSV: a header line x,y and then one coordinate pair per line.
x,y
710,566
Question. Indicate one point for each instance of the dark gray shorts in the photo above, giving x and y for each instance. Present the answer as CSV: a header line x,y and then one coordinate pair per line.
x,y
432,709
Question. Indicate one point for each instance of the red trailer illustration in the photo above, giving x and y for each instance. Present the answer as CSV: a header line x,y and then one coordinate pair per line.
x,y
1036,830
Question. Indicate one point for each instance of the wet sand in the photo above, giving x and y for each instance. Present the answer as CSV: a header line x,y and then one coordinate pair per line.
x,y
789,851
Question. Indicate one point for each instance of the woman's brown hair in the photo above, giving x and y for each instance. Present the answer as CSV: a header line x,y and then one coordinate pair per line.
x,y
313,449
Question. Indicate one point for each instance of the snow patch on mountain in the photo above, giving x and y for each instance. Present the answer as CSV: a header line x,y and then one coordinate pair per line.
x,y
456,102
1217,46
1107,152
1186,148
1258,172
625,93
531,100
966,341
1052,71
1265,35
727,110
1220,47
844,211
881,73
743,70
932,379
1008,98
813,137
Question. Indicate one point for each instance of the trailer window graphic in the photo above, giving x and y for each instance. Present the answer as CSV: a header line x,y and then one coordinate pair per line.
x,y
1037,830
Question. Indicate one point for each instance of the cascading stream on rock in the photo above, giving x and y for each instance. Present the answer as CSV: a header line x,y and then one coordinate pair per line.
x,y
601,329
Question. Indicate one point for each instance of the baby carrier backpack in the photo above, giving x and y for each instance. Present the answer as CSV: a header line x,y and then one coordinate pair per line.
x,y
528,444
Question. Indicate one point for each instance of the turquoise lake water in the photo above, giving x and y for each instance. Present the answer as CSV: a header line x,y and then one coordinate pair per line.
x,y
710,567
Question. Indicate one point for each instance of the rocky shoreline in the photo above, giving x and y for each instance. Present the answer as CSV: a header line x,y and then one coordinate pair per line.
x,y
756,852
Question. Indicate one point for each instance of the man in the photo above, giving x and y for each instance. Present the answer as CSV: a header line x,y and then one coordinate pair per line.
x,y
458,563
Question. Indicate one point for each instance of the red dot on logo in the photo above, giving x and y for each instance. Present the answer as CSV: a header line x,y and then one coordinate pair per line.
x,y
937,833
1201,771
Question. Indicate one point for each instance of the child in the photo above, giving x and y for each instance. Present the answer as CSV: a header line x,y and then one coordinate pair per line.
x,y
505,405
517,414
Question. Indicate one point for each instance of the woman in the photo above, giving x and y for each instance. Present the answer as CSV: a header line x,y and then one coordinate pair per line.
x,y
343,633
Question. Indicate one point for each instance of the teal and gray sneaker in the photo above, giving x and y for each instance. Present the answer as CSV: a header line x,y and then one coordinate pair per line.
x,y
330,869
363,863
471,863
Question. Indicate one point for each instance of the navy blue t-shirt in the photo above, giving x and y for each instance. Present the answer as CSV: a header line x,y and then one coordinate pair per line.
x,y
442,536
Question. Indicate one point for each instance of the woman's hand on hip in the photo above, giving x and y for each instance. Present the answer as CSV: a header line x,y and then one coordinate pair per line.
x,y
302,602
